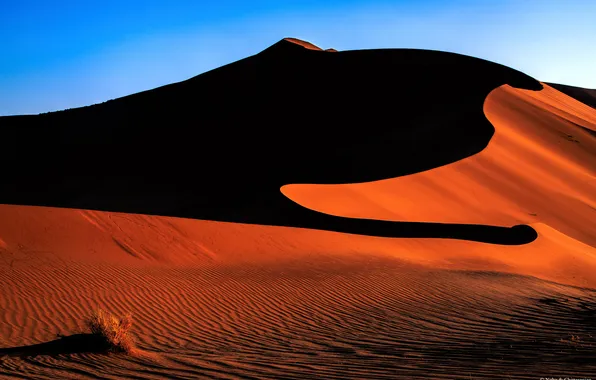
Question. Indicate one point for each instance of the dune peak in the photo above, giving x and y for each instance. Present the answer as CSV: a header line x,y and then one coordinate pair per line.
x,y
304,44
290,44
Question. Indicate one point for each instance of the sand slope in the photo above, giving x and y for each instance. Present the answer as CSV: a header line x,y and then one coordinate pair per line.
x,y
584,95
226,299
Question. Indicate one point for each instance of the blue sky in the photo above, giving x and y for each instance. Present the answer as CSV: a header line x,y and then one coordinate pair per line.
x,y
75,53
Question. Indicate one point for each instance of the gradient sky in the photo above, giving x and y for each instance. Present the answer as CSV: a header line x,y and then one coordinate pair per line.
x,y
74,53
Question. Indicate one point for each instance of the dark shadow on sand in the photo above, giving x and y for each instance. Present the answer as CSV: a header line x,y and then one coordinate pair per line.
x,y
220,145
72,344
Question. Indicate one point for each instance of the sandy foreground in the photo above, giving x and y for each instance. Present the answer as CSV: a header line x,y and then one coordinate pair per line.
x,y
214,299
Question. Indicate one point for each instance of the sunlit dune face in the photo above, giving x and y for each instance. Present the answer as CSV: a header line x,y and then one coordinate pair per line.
x,y
539,165
538,169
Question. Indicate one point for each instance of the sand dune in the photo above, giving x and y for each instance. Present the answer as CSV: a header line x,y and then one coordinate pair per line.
x,y
540,165
238,133
407,269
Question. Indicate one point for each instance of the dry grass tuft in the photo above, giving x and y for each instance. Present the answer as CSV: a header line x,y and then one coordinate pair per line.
x,y
112,330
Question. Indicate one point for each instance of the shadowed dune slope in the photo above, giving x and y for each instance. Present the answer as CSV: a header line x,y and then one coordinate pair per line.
x,y
219,146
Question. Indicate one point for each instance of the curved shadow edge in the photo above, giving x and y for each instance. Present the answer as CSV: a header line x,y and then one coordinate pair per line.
x,y
515,235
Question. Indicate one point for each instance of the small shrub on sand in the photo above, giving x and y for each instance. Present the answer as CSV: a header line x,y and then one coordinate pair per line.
x,y
113,331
